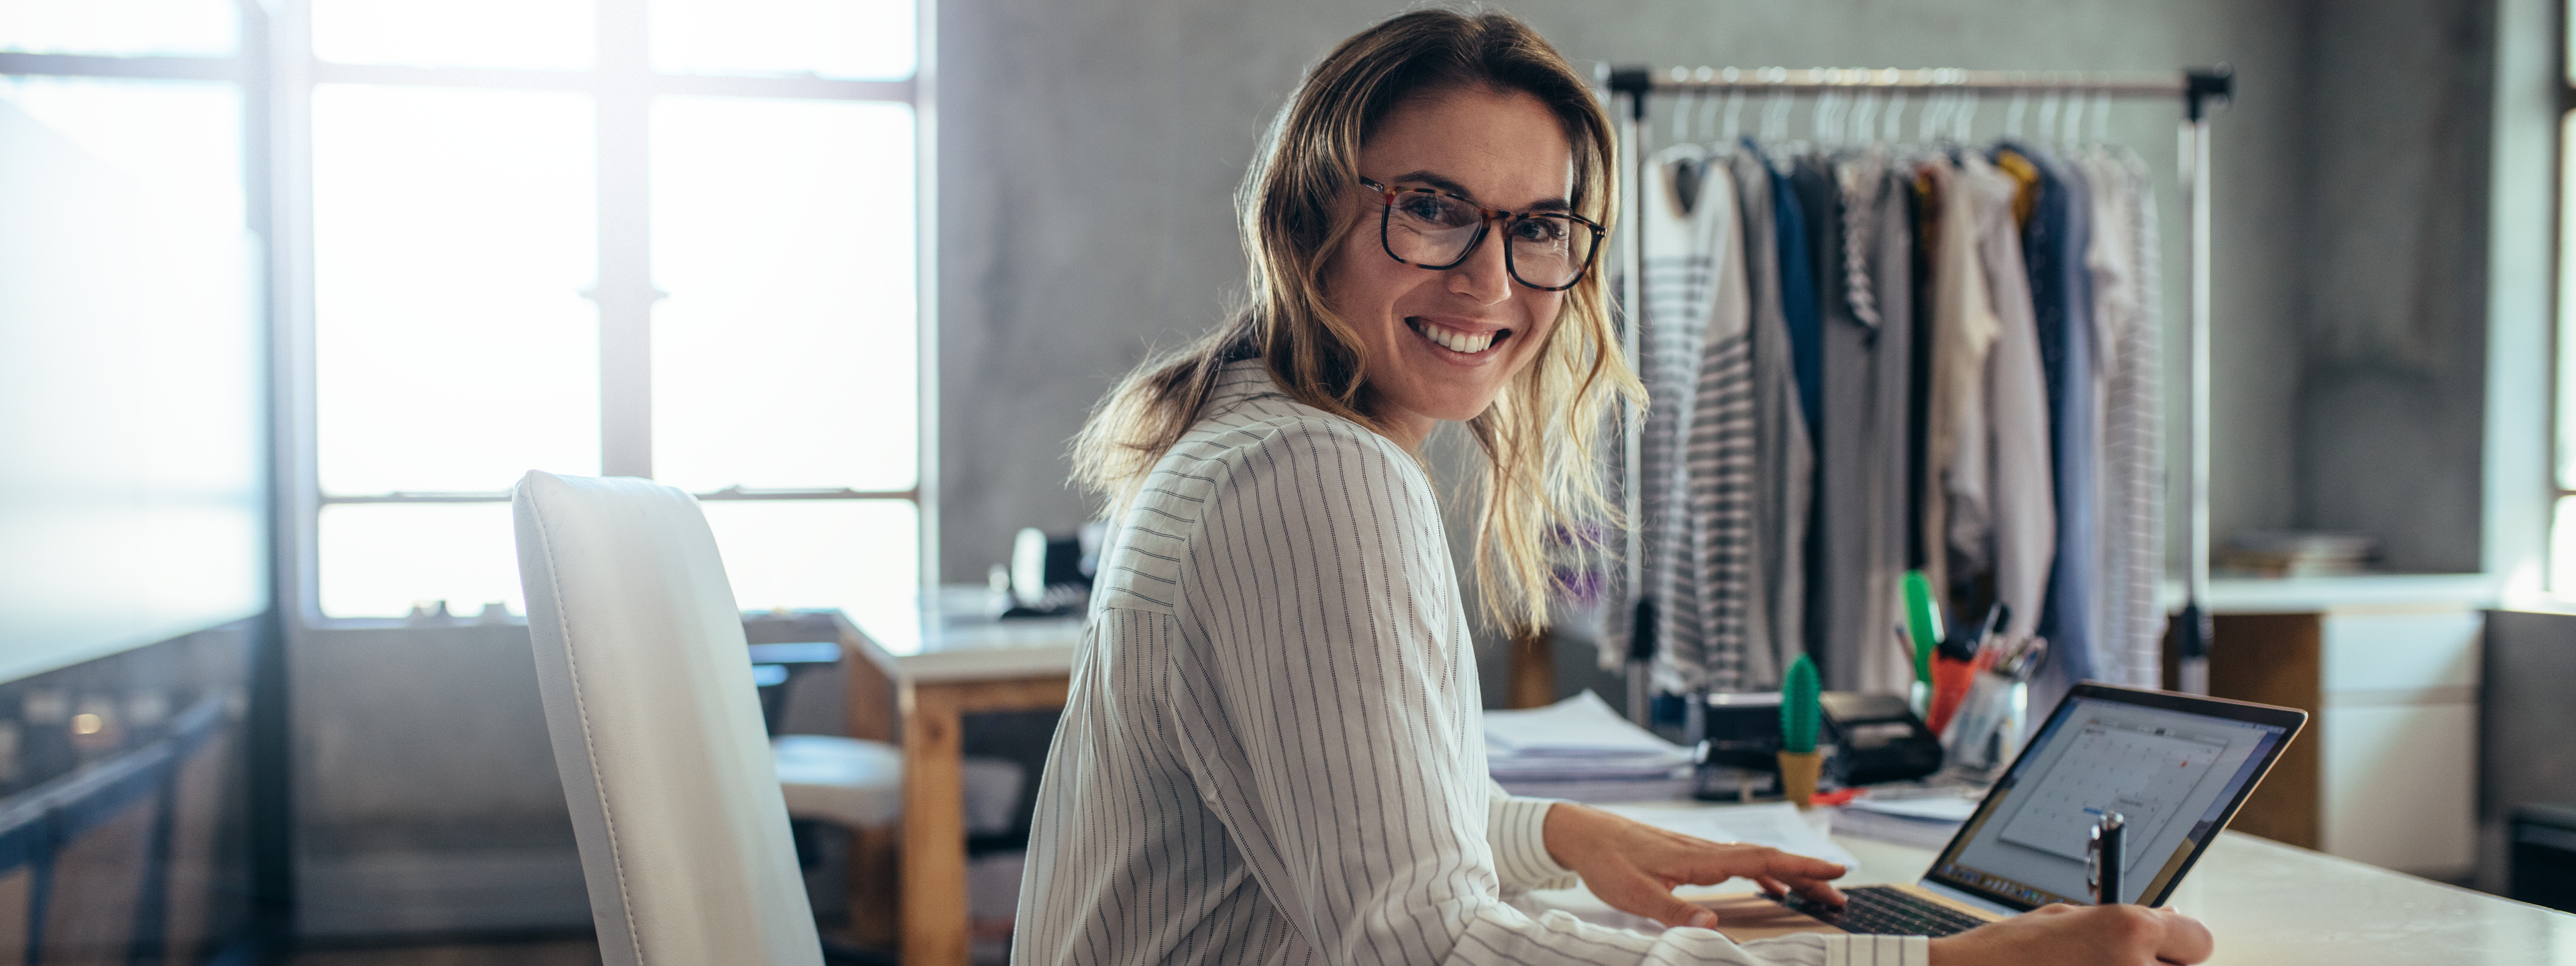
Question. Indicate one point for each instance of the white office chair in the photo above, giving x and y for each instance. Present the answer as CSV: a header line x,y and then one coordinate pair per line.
x,y
657,730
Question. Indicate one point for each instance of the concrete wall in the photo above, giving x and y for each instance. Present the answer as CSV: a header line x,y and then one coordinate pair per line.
x,y
1089,148
2392,278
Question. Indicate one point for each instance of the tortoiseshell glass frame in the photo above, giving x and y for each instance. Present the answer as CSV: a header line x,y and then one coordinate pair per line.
x,y
1388,196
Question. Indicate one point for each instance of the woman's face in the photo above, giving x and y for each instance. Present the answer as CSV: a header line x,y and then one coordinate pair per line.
x,y
1442,344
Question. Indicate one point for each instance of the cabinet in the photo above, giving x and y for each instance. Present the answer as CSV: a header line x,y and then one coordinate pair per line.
x,y
2386,772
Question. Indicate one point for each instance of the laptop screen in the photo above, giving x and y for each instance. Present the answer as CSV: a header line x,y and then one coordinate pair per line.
x,y
2175,770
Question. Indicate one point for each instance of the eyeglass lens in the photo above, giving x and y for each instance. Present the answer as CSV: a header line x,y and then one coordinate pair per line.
x,y
1548,251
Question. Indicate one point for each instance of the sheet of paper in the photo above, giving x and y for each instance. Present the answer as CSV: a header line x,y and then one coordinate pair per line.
x,y
1943,808
1778,825
1581,725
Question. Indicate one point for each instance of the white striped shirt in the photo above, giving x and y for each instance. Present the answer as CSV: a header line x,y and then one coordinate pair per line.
x,y
1273,750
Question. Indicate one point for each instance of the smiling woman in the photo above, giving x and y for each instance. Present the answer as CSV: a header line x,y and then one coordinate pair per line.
x,y
1278,671
1378,301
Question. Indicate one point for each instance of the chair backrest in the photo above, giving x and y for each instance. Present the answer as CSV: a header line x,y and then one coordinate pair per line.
x,y
656,727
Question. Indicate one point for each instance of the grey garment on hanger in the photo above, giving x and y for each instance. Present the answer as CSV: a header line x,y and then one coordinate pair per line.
x,y
1868,342
2061,290
2125,274
2003,513
1720,466
1675,278
1688,242
1963,328
1838,373
1783,460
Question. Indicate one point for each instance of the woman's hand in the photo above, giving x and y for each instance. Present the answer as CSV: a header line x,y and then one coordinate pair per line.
x,y
1634,866
2108,935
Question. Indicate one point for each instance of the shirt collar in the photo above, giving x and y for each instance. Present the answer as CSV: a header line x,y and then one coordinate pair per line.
x,y
1238,381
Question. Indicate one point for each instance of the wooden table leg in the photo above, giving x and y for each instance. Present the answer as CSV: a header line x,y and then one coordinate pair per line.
x,y
874,714
873,871
934,830
1530,677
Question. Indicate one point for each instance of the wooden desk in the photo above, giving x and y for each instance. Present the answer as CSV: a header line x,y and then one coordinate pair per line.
x,y
915,690
2269,905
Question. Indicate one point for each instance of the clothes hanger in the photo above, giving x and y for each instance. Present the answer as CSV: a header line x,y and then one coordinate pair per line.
x,y
2074,133
1895,131
1704,126
1681,111
1967,117
2012,114
2048,107
1829,119
2101,116
1775,116
1734,111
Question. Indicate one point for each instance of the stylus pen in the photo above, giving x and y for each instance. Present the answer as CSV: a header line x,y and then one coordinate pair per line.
x,y
2110,840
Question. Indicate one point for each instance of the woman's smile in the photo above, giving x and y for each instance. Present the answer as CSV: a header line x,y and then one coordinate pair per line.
x,y
1460,342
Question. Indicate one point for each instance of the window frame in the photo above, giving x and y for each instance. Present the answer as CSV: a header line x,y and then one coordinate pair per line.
x,y
622,86
2558,577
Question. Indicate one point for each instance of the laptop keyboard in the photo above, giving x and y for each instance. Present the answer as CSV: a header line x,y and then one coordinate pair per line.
x,y
1882,911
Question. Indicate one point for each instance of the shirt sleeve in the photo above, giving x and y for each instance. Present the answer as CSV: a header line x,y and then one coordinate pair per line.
x,y
1328,690
1516,830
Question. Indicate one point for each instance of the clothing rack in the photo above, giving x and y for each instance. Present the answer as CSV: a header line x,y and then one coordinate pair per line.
x,y
2200,91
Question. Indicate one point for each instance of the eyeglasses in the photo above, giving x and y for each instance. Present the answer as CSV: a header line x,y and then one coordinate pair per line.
x,y
1548,250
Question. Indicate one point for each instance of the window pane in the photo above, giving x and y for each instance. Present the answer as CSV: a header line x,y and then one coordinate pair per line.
x,y
528,34
784,356
2566,454
378,559
181,139
855,39
453,235
2562,548
132,378
861,556
121,28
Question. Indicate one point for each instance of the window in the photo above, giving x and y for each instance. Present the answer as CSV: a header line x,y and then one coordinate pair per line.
x,y
2562,527
133,490
662,238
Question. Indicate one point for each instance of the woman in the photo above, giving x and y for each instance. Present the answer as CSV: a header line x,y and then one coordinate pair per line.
x,y
1272,750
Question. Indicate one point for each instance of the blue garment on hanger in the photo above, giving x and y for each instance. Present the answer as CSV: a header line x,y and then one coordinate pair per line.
x,y
1798,293
2061,288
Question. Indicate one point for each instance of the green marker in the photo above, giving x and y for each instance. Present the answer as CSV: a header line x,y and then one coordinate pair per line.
x,y
1801,714
1922,622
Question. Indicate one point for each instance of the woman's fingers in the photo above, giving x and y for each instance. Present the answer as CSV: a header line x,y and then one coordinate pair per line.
x,y
2185,940
1807,876
1821,891
1715,863
1654,901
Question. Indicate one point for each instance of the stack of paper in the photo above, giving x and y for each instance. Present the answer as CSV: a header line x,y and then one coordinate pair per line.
x,y
1579,749
1926,822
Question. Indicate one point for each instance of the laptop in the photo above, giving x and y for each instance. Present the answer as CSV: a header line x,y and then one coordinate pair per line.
x,y
2175,766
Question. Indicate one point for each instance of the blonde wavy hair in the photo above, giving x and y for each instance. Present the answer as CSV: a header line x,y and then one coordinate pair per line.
x,y
1540,481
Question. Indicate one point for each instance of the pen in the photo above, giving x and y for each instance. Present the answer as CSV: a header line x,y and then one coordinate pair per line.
x,y
2102,856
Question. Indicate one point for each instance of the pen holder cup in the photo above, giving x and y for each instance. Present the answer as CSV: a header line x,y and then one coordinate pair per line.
x,y
1798,772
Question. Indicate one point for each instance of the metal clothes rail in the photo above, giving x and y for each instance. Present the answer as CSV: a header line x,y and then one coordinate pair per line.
x,y
2199,91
